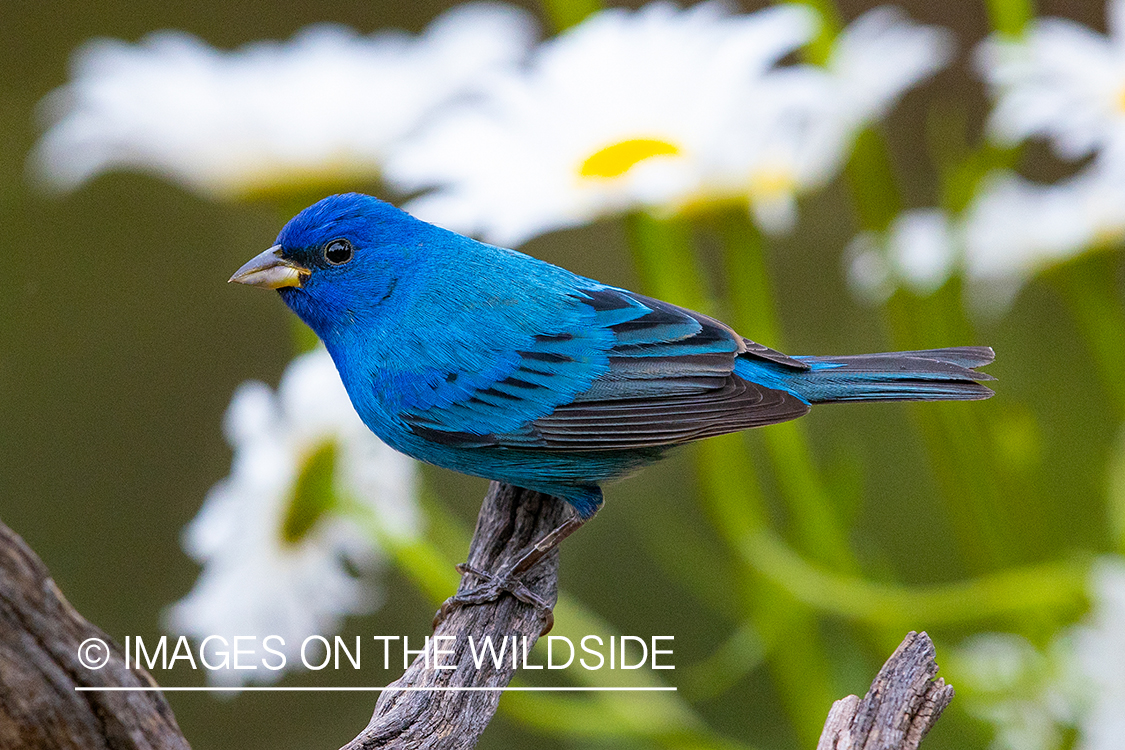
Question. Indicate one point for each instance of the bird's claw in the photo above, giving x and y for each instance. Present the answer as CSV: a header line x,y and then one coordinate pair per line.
x,y
493,588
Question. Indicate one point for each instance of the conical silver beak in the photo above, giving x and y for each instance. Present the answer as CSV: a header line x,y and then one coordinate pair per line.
x,y
270,271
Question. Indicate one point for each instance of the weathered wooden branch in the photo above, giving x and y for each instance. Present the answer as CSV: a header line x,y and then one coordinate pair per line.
x,y
903,703
510,520
40,636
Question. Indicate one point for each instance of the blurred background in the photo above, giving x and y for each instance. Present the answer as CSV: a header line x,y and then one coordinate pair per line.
x,y
121,344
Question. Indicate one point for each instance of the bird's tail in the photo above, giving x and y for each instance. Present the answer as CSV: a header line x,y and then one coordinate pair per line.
x,y
929,375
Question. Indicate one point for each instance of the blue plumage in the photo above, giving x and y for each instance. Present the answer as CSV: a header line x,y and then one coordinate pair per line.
x,y
493,363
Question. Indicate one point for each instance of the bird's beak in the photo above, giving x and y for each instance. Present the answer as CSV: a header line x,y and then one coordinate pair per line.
x,y
270,271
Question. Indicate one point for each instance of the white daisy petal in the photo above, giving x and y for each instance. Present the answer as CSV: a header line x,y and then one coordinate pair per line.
x,y
867,270
624,110
882,54
1061,81
328,104
1033,697
919,251
1100,647
1015,228
258,580
922,249
661,109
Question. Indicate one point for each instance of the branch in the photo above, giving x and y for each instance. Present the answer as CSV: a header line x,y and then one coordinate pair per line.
x,y
511,519
40,635
903,703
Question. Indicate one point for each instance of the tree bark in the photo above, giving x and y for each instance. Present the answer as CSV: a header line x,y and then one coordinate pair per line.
x,y
903,703
40,664
40,667
511,519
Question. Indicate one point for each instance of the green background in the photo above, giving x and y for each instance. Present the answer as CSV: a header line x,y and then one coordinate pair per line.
x,y
121,344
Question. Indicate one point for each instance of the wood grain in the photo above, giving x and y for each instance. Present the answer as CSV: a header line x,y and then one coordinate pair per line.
x,y
510,520
40,635
903,703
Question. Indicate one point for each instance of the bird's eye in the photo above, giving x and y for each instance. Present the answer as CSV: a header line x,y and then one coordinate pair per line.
x,y
338,252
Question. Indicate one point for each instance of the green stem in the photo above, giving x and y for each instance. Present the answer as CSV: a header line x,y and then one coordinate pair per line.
x,y
1010,17
734,499
1056,585
961,177
664,253
631,720
735,658
663,717
1116,494
818,50
788,629
871,178
566,13
957,442
958,439
1088,285
665,258
749,294
815,519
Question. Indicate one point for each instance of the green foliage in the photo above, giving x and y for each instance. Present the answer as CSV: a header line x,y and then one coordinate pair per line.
x,y
566,13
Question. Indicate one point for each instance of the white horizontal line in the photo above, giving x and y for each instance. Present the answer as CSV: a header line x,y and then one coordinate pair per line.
x,y
469,689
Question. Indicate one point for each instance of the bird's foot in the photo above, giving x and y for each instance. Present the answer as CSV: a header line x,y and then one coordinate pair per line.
x,y
509,579
492,588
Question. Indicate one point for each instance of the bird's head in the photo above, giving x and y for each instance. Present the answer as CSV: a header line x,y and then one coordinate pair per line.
x,y
337,261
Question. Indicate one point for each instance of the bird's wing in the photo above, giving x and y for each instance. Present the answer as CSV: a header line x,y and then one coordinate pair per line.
x,y
628,372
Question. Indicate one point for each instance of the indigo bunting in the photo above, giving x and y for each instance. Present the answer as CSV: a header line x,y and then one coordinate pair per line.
x,y
492,363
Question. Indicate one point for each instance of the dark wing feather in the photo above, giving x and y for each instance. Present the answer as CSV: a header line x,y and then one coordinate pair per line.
x,y
635,423
670,381
625,372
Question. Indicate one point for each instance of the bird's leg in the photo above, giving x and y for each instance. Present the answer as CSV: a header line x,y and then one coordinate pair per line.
x,y
549,541
507,580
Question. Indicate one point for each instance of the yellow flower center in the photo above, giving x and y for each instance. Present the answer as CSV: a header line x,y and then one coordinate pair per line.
x,y
771,183
617,159
1108,235
313,494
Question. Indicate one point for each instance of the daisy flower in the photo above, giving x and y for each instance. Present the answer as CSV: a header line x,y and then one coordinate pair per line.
x,y
1066,83
1015,228
1034,697
1100,654
662,109
788,138
281,555
623,110
324,106
1012,230
919,252
1024,693
880,55
798,125
1060,81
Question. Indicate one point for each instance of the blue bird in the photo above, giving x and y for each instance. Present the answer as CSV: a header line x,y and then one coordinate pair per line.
x,y
492,363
